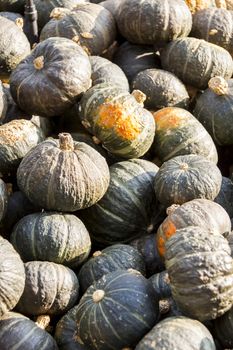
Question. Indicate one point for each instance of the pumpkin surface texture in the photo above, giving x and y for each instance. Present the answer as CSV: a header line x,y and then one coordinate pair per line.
x,y
3,199
223,329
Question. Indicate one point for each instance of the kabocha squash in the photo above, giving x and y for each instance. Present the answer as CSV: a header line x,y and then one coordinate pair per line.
x,y
12,277
116,257
178,333
49,80
3,102
11,51
214,110
126,211
118,121
111,5
178,133
161,284
19,332
225,196
200,270
162,89
198,212
89,25
153,21
223,328
51,236
14,17
50,289
3,199
195,61
122,307
63,175
188,177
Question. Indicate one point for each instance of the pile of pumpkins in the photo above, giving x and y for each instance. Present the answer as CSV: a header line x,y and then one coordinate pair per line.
x,y
116,168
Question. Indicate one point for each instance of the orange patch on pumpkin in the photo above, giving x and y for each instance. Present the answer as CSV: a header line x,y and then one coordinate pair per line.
x,y
168,230
169,118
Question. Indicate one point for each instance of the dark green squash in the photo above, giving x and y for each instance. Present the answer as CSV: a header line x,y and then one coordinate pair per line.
x,y
63,175
19,332
195,61
3,199
223,329
178,333
153,21
161,284
225,196
59,71
12,277
3,102
50,289
118,121
14,17
188,177
110,259
200,270
52,236
122,307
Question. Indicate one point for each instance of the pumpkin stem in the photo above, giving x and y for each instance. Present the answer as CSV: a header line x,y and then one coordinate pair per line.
x,y
97,253
184,166
19,22
136,272
66,142
58,12
39,62
139,96
43,321
98,295
171,209
218,85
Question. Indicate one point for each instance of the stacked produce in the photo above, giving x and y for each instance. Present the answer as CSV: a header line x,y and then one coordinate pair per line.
x,y
116,162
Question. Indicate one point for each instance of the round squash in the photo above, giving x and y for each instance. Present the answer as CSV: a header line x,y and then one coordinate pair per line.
x,y
59,71
63,175
225,196
12,277
14,17
51,236
188,177
89,25
195,61
200,270
161,284
111,5
122,306
178,333
153,21
118,121
110,259
179,133
50,289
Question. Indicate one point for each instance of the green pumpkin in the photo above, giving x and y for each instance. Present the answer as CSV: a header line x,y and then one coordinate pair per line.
x,y
161,284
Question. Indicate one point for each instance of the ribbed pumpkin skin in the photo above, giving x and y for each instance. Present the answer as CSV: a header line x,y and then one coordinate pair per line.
x,y
90,25
53,88
162,89
128,309
12,277
225,196
223,327
61,180
51,236
188,177
178,133
200,270
104,71
178,333
11,51
198,212
19,332
49,289
195,61
3,199
161,284
12,5
153,21
116,257
215,113
123,126
126,211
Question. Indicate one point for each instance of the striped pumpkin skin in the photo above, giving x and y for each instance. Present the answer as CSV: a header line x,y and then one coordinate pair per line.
x,y
225,196
188,177
89,25
50,289
178,133
126,211
128,309
19,332
161,284
123,126
195,61
151,22
3,102
50,236
198,212
3,199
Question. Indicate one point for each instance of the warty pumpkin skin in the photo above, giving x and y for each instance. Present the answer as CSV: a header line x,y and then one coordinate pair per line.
x,y
122,306
50,289
50,79
197,5
225,196
12,277
178,333
195,61
118,121
178,133
200,270
63,175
